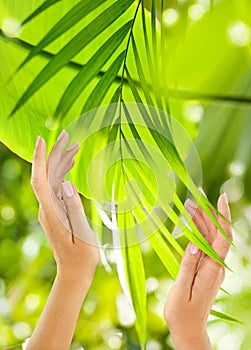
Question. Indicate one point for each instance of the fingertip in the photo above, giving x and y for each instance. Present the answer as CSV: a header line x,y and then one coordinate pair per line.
x,y
74,146
190,207
193,249
223,203
62,135
202,191
68,189
40,148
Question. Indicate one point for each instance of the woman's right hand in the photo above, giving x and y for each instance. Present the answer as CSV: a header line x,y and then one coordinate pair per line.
x,y
61,212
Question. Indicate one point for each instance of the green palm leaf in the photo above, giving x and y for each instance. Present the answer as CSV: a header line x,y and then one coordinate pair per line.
x,y
70,50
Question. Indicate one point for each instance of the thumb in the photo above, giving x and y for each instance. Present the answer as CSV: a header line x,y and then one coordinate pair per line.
x,y
78,221
188,268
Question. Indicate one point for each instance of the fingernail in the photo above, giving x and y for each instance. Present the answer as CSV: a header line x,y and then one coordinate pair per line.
x,y
68,190
62,135
193,249
202,191
191,204
38,140
224,195
74,145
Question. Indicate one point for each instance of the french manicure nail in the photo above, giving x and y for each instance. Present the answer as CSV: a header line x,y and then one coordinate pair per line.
x,y
68,190
193,249
191,204
74,145
38,140
202,191
224,195
62,135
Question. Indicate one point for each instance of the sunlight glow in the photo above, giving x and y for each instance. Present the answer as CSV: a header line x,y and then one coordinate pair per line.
x,y
239,34
170,17
12,27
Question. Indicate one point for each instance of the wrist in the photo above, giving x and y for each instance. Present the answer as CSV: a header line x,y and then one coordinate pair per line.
x,y
191,340
73,278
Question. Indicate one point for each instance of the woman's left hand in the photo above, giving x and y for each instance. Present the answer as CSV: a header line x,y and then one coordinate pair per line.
x,y
199,279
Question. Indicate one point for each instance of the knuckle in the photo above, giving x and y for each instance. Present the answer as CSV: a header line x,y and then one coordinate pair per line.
x,y
188,266
35,184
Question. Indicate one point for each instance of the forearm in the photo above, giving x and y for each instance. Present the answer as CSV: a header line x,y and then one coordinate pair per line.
x,y
199,342
58,320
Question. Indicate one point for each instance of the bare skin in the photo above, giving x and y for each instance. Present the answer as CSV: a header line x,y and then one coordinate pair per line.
x,y
193,293
76,260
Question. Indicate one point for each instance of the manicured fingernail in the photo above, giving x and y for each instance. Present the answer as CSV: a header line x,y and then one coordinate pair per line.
x,y
193,249
202,191
38,140
224,195
62,135
68,190
74,145
191,204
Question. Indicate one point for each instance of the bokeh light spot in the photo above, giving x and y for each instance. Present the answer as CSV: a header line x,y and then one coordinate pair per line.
x,y
234,189
239,33
170,17
126,314
115,341
193,111
153,345
21,330
151,284
7,213
12,27
229,342
30,247
5,306
11,169
237,168
31,302
196,11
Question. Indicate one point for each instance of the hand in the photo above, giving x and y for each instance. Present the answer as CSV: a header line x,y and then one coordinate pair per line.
x,y
199,279
62,216
61,212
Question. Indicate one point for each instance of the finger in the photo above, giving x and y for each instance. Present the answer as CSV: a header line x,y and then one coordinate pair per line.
x,y
196,215
39,180
77,218
54,160
188,269
211,228
221,245
66,162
